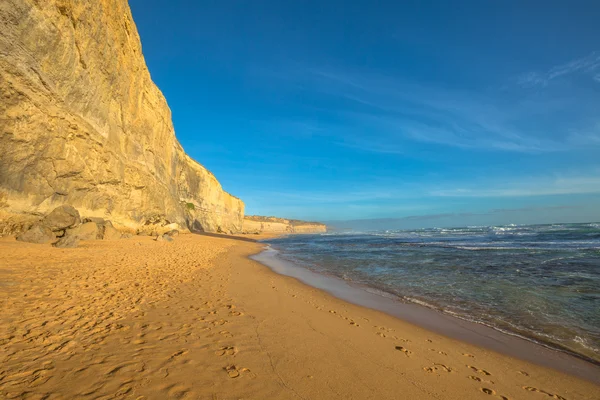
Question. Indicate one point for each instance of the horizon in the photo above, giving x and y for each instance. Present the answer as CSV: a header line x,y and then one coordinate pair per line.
x,y
418,112
367,225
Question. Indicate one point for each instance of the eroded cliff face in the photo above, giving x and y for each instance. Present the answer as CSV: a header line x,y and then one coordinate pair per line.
x,y
257,224
82,123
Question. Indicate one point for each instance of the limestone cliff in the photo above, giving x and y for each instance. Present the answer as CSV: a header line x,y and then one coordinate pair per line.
x,y
258,224
82,123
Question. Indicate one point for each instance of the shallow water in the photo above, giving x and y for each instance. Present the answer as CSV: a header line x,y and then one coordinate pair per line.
x,y
541,282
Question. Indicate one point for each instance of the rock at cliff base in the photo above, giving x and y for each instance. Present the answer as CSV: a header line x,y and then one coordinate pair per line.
x,y
86,231
172,233
38,233
164,238
70,240
109,232
99,221
61,218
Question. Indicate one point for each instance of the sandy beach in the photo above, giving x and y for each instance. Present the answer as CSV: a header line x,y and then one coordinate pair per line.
x,y
197,319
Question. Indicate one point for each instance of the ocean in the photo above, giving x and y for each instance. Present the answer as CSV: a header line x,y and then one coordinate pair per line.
x,y
540,282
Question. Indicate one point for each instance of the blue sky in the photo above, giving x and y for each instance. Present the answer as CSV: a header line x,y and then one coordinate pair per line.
x,y
465,112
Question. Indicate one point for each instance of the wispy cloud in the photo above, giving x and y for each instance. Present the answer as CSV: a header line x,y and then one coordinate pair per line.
x,y
393,195
446,219
588,65
539,186
379,113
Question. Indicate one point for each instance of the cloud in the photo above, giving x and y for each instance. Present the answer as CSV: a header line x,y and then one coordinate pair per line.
x,y
587,65
527,209
392,196
389,223
378,113
530,187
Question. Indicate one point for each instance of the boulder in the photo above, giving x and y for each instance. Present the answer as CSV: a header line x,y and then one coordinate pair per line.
x,y
97,220
109,232
86,231
38,233
70,240
61,218
164,238
172,233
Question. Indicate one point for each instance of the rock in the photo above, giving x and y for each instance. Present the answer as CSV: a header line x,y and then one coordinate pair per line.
x,y
86,231
38,233
83,123
61,218
109,232
172,233
164,238
70,240
97,220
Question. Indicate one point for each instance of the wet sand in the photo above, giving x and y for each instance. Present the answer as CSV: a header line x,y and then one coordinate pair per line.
x,y
436,321
197,319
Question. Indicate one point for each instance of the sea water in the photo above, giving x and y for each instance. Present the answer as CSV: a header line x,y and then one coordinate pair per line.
x,y
541,282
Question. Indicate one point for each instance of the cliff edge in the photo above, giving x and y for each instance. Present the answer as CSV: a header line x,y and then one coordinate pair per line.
x,y
82,123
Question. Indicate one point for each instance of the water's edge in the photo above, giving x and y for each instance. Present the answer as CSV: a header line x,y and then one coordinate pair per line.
x,y
435,321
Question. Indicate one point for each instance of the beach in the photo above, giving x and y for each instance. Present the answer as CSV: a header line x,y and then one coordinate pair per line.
x,y
197,319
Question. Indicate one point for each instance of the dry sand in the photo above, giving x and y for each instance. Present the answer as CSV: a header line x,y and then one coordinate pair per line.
x,y
196,319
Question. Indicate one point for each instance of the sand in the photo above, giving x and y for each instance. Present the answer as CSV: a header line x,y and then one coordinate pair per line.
x,y
196,319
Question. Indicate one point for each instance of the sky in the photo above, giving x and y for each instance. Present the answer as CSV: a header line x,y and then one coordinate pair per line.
x,y
425,113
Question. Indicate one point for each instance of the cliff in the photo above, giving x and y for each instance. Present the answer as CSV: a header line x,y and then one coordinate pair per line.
x,y
82,123
258,224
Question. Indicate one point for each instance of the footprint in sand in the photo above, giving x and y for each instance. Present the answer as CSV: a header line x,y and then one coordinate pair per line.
x,y
437,367
235,372
227,351
354,324
439,352
554,396
227,334
404,350
468,355
492,393
481,371
235,313
178,354
380,334
478,379
523,373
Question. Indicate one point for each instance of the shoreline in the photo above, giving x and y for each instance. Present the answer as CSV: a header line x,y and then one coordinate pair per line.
x,y
196,318
479,334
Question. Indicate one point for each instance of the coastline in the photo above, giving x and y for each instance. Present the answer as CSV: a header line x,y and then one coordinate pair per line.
x,y
197,318
454,327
